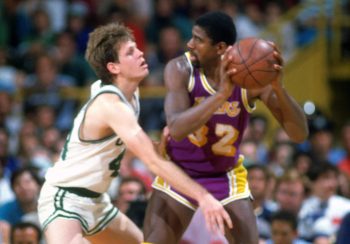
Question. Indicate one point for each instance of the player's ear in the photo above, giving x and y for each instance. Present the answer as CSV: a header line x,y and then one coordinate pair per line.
x,y
113,68
221,47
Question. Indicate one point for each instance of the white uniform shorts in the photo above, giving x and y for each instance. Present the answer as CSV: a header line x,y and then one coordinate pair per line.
x,y
93,210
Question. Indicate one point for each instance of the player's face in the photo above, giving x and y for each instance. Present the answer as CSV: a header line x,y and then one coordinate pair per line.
x,y
132,64
282,232
202,50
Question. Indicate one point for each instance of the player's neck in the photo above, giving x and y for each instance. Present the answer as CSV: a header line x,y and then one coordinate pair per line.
x,y
211,70
127,87
212,74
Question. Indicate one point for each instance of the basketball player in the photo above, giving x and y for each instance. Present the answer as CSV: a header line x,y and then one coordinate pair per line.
x,y
206,115
74,206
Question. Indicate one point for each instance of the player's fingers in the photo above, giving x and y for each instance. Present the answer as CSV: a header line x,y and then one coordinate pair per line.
x,y
227,57
277,67
227,219
228,49
278,56
220,224
274,46
210,223
232,71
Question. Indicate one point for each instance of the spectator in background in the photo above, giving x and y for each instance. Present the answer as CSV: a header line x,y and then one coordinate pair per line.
x,y
9,162
291,190
77,24
164,16
10,109
321,139
26,185
170,46
284,229
322,212
249,149
70,62
344,164
43,88
258,126
258,179
132,199
280,136
130,189
281,157
25,233
286,33
343,236
251,22
39,40
301,162
6,193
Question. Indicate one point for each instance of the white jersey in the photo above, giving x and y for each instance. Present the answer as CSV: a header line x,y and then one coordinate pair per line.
x,y
318,218
90,164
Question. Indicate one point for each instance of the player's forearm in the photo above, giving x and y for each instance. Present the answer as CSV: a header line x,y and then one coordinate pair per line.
x,y
184,123
142,147
292,117
178,179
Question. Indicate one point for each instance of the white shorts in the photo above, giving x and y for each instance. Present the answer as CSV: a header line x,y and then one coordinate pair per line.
x,y
93,212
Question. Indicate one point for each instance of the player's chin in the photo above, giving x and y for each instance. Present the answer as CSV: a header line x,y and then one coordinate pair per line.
x,y
143,74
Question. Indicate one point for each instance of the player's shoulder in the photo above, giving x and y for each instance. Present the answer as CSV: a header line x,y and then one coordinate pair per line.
x,y
179,64
105,99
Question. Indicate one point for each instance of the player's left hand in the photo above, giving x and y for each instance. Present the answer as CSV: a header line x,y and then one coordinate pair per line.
x,y
215,215
160,146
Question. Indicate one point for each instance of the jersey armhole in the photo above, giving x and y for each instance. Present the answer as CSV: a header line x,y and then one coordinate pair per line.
x,y
84,115
246,104
191,79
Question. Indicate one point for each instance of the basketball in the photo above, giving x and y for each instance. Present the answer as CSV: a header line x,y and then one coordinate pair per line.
x,y
253,58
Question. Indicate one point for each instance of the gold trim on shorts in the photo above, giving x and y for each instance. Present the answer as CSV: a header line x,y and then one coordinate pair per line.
x,y
237,178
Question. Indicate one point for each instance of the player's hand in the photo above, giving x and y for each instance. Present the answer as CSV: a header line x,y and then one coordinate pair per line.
x,y
279,66
214,213
226,86
161,145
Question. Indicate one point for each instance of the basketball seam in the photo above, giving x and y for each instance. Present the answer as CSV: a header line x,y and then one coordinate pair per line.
x,y
245,64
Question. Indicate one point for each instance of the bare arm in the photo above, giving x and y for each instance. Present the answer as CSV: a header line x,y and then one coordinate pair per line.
x,y
283,107
182,119
122,120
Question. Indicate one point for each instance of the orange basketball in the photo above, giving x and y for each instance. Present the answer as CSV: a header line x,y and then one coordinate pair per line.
x,y
253,58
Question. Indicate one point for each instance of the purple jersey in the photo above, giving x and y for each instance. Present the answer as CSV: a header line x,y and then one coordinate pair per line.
x,y
214,148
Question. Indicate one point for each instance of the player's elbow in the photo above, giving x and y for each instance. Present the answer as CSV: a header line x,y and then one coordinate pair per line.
x,y
176,135
301,136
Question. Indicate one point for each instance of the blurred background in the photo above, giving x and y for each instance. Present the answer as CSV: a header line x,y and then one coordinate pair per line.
x,y
44,80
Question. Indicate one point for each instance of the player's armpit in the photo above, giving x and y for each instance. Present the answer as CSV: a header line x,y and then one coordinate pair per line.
x,y
119,116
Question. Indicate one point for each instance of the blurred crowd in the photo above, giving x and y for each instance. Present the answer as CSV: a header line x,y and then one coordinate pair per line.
x,y
300,192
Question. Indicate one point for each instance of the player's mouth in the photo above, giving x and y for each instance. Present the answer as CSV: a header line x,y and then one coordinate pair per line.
x,y
144,64
194,58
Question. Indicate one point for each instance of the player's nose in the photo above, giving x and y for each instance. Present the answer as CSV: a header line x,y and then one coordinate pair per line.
x,y
190,44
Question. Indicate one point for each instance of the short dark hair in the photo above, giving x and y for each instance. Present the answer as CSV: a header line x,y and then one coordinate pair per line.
x,y
21,171
285,216
321,168
25,225
136,180
218,26
260,167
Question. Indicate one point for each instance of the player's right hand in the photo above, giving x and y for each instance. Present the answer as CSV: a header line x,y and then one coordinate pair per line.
x,y
226,85
214,213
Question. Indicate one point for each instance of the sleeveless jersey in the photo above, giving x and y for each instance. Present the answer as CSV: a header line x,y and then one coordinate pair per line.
x,y
214,148
90,164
